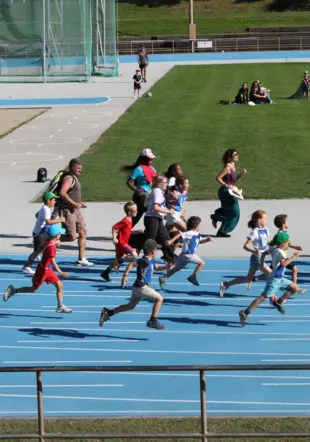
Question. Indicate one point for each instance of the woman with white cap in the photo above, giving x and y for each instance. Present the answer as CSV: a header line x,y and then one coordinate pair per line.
x,y
141,180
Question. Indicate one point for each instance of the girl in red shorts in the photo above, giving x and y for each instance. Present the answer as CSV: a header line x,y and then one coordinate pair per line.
x,y
44,272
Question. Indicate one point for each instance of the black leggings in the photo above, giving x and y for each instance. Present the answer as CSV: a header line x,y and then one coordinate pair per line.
x,y
139,201
155,229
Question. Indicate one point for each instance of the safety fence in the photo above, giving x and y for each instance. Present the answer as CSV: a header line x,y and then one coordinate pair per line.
x,y
203,435
229,44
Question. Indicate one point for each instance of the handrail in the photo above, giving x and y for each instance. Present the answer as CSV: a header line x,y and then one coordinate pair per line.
x,y
203,436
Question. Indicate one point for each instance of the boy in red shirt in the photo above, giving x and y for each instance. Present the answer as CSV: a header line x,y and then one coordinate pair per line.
x,y
43,272
121,232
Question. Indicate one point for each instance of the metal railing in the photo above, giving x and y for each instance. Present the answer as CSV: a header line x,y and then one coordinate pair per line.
x,y
204,435
174,45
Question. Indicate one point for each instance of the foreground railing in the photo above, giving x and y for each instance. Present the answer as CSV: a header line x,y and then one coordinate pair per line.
x,y
204,435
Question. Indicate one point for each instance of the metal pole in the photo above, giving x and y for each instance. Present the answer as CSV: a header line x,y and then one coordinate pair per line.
x,y
44,41
203,405
40,405
191,26
97,32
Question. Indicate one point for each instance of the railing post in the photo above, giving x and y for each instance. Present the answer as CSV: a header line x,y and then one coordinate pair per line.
x,y
40,405
203,405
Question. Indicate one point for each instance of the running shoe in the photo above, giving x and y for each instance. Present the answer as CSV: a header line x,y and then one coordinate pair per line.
x,y
223,288
104,316
249,285
106,275
10,291
300,291
28,270
84,262
193,280
63,309
278,305
162,281
214,222
154,323
243,317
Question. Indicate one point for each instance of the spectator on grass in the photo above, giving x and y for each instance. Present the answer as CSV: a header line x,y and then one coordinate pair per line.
x,y
256,96
242,96
229,213
140,180
70,205
143,61
265,92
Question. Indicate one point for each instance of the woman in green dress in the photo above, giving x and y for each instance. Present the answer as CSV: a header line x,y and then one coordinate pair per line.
x,y
229,213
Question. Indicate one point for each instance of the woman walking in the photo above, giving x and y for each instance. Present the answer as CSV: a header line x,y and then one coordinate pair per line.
x,y
140,180
229,213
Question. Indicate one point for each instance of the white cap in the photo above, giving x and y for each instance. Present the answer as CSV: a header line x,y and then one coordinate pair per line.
x,y
147,153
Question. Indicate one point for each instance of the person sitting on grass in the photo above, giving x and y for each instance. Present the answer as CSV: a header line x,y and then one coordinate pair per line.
x,y
44,273
256,96
276,280
141,288
191,239
121,232
242,96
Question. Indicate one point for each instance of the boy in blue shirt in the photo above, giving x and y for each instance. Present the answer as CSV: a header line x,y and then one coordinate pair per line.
x,y
141,289
276,280
191,240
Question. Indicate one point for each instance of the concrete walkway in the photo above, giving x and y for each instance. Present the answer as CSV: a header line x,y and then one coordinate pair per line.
x,y
61,133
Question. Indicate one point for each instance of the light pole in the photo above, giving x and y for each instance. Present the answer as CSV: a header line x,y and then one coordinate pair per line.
x,y
192,25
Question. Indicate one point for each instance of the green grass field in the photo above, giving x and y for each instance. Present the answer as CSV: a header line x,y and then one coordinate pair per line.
x,y
170,17
183,122
149,425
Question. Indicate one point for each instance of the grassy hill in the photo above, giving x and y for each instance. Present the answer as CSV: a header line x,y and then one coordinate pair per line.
x,y
170,17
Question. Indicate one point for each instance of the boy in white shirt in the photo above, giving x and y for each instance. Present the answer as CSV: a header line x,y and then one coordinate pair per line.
x,y
191,239
40,236
276,280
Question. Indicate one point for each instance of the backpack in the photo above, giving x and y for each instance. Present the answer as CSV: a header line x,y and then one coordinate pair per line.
x,y
41,175
56,182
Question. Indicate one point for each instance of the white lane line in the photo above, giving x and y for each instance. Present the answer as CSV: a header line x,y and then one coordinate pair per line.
x,y
60,328
96,306
87,398
63,385
285,339
85,340
276,321
63,362
286,384
218,353
228,376
285,360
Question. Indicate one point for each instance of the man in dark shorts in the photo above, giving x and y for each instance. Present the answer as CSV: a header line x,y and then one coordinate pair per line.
x,y
71,204
143,61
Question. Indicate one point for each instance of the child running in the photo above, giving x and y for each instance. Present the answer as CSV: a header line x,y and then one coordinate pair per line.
x,y
43,272
256,244
121,232
141,289
281,222
191,239
175,199
276,280
44,219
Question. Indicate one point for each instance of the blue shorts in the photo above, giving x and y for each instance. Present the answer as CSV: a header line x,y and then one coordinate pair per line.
x,y
273,285
255,261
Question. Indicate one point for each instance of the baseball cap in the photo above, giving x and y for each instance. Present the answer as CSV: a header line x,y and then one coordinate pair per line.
x,y
280,238
150,245
55,229
49,196
147,153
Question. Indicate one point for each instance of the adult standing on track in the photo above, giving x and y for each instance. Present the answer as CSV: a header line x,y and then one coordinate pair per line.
x,y
70,205
143,61
140,180
229,213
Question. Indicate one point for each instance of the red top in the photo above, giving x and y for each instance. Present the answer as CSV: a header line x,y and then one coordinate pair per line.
x,y
124,228
49,252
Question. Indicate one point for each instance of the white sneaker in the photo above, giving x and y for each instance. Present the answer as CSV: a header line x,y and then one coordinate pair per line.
x,y
10,291
84,262
63,309
222,289
28,270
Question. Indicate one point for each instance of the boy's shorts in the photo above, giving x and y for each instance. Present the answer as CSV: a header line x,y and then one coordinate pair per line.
x,y
273,285
145,292
44,275
184,259
39,240
122,250
172,219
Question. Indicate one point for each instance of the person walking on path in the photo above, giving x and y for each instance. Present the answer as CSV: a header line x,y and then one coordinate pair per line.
x,y
143,61
229,213
142,174
70,205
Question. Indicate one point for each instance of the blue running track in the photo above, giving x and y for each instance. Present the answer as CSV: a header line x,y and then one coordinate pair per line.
x,y
201,328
